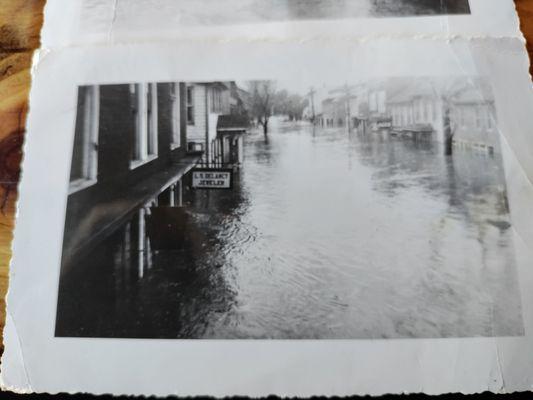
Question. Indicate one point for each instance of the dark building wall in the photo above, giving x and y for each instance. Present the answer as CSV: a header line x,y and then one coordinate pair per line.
x,y
115,142
165,123
116,132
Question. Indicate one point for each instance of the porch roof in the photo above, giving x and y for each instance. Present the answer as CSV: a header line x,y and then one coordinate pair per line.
x,y
232,123
473,95
106,217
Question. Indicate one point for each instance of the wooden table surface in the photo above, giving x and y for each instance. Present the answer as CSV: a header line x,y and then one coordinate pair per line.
x,y
20,23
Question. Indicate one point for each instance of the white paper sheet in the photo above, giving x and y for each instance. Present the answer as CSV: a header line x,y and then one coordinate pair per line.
x,y
485,46
106,22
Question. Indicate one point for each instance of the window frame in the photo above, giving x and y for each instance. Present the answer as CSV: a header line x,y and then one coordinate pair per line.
x,y
175,97
216,100
146,129
479,120
190,106
91,126
490,120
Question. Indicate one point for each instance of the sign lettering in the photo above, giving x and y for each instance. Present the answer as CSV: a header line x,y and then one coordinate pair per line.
x,y
203,178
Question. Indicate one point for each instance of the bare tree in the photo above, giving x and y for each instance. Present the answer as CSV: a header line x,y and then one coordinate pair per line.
x,y
449,131
262,98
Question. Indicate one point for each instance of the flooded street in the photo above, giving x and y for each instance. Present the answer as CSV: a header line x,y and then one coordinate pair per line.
x,y
325,235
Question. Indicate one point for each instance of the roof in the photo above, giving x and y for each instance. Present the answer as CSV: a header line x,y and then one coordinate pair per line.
x,y
231,122
97,224
416,128
241,91
480,93
220,85
406,91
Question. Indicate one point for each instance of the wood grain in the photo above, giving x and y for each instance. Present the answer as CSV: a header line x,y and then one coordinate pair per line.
x,y
20,24
525,12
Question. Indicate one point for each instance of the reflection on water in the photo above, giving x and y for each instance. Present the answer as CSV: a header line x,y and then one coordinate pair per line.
x,y
325,235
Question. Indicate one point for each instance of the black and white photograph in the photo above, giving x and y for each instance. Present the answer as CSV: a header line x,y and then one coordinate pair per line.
x,y
375,209
147,14
295,198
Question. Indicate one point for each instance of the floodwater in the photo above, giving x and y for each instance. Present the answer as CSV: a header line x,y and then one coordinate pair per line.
x,y
326,234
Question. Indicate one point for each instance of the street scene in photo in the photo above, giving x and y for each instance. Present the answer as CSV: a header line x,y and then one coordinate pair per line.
x,y
168,14
375,209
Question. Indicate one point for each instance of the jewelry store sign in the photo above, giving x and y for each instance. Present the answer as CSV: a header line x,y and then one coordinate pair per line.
x,y
207,178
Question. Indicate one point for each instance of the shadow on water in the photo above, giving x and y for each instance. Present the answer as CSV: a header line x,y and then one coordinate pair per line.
x,y
473,186
122,291
464,178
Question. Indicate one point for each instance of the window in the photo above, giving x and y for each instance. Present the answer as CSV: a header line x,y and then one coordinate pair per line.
x,y
373,102
144,146
190,105
381,102
216,100
175,110
479,119
416,105
489,118
83,170
151,123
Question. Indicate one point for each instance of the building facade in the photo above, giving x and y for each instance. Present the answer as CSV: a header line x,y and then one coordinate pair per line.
x,y
205,104
473,115
418,110
129,146
423,108
360,107
333,112
133,148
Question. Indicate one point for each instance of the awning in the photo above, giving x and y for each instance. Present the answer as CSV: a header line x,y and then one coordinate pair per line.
x,y
105,217
230,123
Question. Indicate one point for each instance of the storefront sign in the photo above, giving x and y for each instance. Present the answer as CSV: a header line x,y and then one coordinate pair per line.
x,y
384,124
207,178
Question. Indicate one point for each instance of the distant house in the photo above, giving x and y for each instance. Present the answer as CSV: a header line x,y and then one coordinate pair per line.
x,y
359,107
364,105
377,101
473,114
318,99
205,104
420,108
333,112
417,108
230,139
238,100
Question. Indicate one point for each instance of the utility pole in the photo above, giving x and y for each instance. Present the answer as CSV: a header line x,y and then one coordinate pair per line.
x,y
311,95
348,95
